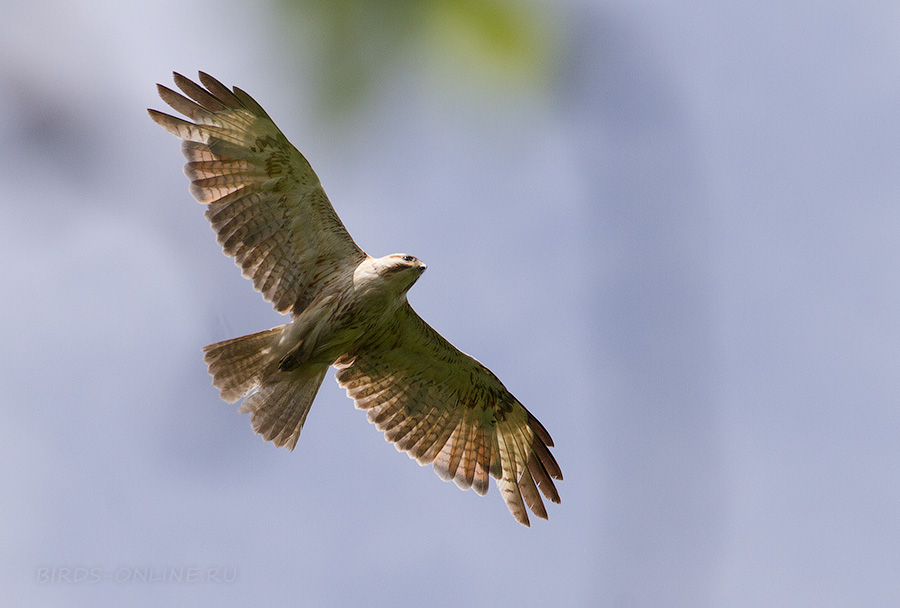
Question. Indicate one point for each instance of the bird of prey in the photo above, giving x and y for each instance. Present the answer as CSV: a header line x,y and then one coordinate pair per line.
x,y
348,310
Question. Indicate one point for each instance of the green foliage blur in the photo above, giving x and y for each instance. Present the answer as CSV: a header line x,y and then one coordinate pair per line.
x,y
354,46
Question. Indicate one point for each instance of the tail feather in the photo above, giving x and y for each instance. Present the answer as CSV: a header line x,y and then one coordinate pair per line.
x,y
239,365
280,405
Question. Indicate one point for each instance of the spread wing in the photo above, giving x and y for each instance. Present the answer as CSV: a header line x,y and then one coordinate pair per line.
x,y
443,407
264,200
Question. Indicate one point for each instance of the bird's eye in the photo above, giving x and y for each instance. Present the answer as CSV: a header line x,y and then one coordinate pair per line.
x,y
408,258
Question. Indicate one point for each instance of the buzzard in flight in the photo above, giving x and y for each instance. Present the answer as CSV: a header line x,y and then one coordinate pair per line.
x,y
347,309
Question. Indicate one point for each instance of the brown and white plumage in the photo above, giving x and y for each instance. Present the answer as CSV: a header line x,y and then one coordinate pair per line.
x,y
265,202
444,408
348,310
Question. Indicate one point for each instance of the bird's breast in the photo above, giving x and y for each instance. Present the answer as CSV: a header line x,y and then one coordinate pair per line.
x,y
338,323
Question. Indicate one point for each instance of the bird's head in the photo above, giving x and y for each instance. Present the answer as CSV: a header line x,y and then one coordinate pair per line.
x,y
399,270
393,273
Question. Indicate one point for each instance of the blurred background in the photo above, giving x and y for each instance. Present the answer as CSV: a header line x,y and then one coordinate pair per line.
x,y
671,228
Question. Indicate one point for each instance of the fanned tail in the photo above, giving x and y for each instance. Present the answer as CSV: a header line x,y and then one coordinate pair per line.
x,y
280,405
282,397
241,364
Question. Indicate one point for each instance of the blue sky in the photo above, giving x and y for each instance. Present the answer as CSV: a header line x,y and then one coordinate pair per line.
x,y
681,256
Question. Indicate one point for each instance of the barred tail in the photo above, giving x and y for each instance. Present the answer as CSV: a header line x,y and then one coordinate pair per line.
x,y
239,365
280,405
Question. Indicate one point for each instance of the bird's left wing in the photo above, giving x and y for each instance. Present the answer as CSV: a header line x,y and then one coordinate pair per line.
x,y
264,200
444,408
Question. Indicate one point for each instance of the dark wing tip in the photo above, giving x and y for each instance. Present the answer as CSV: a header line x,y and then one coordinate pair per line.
x,y
205,78
539,430
250,103
218,89
160,118
200,95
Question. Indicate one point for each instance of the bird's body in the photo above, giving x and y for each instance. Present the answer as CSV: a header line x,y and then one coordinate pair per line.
x,y
356,311
348,310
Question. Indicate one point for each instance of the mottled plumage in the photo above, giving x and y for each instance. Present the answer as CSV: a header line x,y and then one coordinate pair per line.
x,y
348,310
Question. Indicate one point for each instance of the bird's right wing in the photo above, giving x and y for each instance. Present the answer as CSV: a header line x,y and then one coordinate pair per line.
x,y
264,200
444,408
